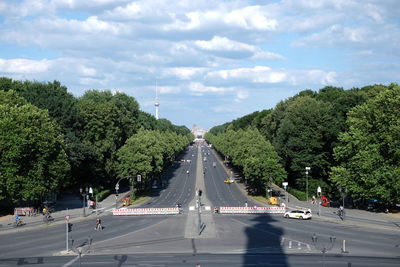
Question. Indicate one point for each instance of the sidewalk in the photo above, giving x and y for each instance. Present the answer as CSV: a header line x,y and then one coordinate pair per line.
x,y
65,206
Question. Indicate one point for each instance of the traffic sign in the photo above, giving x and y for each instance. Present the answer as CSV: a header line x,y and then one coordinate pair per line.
x,y
67,217
139,178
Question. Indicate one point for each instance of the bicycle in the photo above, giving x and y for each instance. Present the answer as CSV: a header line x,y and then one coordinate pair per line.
x,y
18,223
341,214
48,219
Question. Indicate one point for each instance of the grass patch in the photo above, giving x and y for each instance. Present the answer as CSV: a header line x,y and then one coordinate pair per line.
x,y
140,199
300,195
261,199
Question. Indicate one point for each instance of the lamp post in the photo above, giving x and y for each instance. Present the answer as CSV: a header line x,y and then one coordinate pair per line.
x,y
343,193
319,192
323,247
84,193
116,194
285,184
307,169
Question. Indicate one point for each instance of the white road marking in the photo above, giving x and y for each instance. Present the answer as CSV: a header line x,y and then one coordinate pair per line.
x,y
72,261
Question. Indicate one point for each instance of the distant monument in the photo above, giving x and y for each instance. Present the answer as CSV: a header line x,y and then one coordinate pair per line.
x,y
198,132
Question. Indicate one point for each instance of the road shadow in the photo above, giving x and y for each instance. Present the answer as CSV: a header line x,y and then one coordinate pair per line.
x,y
265,242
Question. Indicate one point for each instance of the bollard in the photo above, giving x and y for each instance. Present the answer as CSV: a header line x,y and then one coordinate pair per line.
x,y
344,247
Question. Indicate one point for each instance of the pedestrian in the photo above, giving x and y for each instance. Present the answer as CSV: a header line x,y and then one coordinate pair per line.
x,y
245,204
98,224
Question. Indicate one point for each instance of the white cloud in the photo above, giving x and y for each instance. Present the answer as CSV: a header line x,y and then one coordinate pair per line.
x,y
24,66
248,18
240,95
183,73
169,89
86,71
222,43
257,74
199,89
131,10
263,74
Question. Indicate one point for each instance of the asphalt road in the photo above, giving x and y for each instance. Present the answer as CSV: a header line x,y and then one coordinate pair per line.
x,y
241,240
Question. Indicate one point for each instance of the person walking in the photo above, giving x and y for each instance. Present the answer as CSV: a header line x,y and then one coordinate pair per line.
x,y
98,224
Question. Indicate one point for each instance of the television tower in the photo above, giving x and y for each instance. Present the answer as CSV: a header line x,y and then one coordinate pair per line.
x,y
156,102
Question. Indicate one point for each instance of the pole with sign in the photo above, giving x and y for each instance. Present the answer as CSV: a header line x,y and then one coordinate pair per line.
x,y
319,192
116,195
66,228
285,184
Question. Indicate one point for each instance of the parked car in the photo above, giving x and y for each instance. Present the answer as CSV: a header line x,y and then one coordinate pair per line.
x,y
298,214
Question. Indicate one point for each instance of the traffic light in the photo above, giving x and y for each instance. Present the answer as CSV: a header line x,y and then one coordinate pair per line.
x,y
70,227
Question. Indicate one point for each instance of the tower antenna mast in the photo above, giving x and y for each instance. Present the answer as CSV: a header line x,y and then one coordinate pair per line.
x,y
156,102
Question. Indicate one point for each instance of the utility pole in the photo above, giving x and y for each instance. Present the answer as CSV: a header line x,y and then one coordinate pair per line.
x,y
307,169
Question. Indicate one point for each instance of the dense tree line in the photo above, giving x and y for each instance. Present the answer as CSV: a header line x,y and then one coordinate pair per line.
x,y
51,140
148,152
322,130
252,154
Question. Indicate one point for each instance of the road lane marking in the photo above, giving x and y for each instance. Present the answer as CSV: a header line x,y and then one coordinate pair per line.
x,y
72,261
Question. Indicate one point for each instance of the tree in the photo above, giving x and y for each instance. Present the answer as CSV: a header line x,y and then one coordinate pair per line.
x,y
34,162
148,152
369,152
304,137
107,121
254,156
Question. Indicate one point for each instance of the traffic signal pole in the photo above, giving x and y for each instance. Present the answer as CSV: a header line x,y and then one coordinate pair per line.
x,y
66,230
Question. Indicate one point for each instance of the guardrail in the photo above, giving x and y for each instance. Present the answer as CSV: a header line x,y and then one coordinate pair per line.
x,y
145,211
251,210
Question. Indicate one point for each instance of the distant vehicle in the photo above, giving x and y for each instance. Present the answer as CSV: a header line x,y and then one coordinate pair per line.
x,y
214,164
273,201
229,181
298,214
154,186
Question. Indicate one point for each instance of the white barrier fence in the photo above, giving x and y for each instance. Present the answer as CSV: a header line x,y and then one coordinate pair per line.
x,y
234,210
145,211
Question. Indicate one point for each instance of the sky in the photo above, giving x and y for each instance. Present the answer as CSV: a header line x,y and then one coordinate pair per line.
x,y
211,61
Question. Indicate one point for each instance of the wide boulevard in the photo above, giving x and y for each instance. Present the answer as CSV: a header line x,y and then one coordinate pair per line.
x,y
221,239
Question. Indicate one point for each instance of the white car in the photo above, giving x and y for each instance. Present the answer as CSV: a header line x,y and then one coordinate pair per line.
x,y
298,214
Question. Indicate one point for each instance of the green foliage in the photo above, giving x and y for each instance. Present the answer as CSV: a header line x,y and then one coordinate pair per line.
x,y
300,195
107,120
148,152
248,150
33,160
369,152
301,139
103,194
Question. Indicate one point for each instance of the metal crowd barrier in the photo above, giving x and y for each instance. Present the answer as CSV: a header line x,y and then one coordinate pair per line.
x,y
251,210
145,211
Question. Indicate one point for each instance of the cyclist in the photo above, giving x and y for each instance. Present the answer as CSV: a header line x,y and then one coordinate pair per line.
x,y
18,221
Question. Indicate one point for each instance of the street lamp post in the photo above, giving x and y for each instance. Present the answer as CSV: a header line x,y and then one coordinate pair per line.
x,y
84,193
319,192
307,169
343,193
285,184
116,194
323,247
